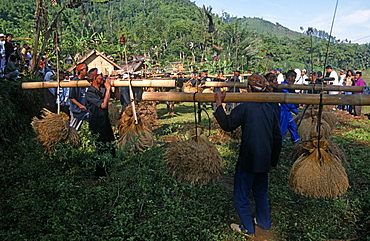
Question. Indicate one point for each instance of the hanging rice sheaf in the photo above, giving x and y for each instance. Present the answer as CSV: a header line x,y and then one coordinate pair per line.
x,y
309,126
332,148
134,137
194,161
147,112
114,115
235,134
188,87
54,128
313,110
319,173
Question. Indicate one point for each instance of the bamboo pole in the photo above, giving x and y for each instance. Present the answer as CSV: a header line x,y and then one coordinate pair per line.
x,y
314,88
114,83
312,99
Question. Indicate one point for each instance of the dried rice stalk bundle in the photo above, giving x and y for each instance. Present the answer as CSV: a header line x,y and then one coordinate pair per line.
x,y
194,161
134,137
148,114
73,137
330,118
208,90
235,134
188,87
332,149
309,125
52,129
113,112
318,174
313,111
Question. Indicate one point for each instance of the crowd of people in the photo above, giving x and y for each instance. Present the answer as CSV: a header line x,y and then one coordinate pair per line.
x,y
14,59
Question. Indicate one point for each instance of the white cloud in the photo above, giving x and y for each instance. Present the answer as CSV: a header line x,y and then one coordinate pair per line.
x,y
358,17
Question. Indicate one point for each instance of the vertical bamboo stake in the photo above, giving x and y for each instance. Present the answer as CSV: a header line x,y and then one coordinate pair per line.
x,y
133,103
58,78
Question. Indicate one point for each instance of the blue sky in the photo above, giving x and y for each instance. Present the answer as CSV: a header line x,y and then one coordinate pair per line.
x,y
352,19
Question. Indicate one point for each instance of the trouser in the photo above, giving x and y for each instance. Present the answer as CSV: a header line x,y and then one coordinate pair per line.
x,y
76,122
244,183
12,75
286,122
358,109
2,65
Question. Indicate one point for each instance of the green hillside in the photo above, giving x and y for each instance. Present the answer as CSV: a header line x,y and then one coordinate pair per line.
x,y
267,28
172,30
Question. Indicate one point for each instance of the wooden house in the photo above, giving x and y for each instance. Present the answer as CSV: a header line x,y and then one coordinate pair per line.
x,y
96,59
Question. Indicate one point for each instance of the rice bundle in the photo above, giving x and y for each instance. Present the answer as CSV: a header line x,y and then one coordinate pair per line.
x,y
332,148
194,161
113,112
188,87
147,113
319,173
134,137
52,129
313,111
235,134
309,125
208,90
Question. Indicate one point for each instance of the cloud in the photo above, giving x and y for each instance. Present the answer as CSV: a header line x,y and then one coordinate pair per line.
x,y
358,17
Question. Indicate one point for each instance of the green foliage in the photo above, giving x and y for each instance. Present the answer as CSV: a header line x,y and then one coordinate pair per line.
x,y
177,30
18,107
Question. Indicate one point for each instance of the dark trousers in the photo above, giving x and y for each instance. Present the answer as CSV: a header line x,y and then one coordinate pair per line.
x,y
244,183
125,96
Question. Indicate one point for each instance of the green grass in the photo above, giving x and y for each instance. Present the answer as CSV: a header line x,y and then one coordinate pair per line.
x,y
52,196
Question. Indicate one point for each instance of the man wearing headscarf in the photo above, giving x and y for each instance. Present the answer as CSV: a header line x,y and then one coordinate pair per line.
x,y
97,97
259,150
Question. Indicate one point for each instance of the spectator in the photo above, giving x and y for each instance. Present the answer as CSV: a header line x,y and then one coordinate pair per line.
x,y
50,93
64,94
359,81
194,79
78,108
280,77
11,70
2,54
9,47
349,81
286,110
302,79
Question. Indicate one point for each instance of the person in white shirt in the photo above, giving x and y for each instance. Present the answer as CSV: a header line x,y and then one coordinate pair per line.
x,y
301,80
334,81
280,77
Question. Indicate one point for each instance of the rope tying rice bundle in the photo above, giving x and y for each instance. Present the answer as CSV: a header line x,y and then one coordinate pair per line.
x,y
332,148
318,173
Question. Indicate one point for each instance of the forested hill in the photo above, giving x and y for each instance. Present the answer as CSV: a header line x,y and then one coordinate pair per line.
x,y
174,30
266,27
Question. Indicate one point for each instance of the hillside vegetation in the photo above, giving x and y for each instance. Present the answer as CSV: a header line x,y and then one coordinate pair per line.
x,y
177,30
